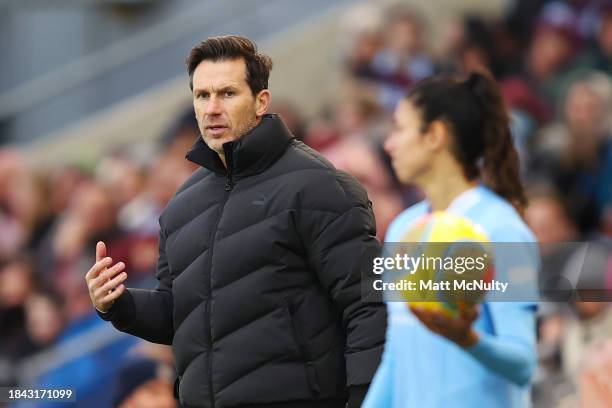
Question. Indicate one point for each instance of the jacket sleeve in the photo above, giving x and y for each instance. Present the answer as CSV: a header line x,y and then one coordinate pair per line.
x,y
340,238
147,313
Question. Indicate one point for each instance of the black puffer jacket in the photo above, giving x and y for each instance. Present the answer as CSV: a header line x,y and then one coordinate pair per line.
x,y
259,277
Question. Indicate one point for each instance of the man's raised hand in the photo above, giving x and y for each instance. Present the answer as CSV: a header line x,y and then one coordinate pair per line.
x,y
105,281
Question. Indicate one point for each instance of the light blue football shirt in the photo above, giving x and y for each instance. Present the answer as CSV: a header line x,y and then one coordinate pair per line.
x,y
422,369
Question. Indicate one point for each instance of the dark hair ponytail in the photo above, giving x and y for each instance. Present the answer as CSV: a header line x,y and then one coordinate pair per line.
x,y
501,166
475,112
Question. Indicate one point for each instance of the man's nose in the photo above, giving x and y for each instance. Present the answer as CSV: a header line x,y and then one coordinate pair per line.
x,y
213,107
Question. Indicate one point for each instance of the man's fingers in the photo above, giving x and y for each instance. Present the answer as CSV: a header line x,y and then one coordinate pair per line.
x,y
98,267
114,294
111,284
105,282
100,251
109,273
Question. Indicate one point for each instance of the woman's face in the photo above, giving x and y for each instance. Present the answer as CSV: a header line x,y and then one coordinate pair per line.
x,y
410,153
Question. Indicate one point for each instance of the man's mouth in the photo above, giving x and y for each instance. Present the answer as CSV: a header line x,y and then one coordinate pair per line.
x,y
216,129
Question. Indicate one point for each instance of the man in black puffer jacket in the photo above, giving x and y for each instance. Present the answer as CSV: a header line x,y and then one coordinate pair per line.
x,y
260,258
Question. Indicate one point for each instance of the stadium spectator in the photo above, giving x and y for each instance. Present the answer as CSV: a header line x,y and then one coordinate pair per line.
x,y
44,318
598,55
575,153
402,59
548,61
140,384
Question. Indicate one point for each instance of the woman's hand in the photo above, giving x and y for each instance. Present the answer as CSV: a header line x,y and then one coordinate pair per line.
x,y
457,329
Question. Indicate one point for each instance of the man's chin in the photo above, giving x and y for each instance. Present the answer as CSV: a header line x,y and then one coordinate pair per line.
x,y
216,144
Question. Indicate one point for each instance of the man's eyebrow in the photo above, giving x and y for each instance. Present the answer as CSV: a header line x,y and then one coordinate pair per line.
x,y
198,91
228,88
221,88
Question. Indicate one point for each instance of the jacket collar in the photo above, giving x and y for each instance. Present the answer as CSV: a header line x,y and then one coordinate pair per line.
x,y
251,154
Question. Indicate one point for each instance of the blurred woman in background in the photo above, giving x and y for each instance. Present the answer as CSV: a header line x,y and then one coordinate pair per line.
x,y
452,139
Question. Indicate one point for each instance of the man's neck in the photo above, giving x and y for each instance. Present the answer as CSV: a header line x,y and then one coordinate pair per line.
x,y
222,153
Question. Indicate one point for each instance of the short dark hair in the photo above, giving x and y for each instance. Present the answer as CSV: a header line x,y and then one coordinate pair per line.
x,y
230,47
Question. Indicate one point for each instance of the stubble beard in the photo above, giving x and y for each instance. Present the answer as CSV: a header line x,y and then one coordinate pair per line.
x,y
241,130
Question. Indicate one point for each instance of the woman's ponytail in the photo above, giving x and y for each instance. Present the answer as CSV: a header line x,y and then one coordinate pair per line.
x,y
500,167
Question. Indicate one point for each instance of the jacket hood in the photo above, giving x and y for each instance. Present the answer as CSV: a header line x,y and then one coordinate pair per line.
x,y
251,154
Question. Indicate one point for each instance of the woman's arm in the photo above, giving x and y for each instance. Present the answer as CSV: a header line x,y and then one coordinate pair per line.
x,y
511,351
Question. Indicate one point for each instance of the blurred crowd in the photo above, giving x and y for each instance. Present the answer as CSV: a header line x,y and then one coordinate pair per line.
x,y
553,60
50,223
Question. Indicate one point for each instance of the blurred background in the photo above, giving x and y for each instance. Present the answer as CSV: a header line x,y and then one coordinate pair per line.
x,y
96,118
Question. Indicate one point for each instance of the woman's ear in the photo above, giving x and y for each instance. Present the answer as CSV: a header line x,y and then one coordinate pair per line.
x,y
262,102
438,134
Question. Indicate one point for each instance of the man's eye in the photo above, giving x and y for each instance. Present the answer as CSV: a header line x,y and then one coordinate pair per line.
x,y
230,93
202,96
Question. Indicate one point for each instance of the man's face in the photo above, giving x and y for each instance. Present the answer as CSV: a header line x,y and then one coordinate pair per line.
x,y
223,102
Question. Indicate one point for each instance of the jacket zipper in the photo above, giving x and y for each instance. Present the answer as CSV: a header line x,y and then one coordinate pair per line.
x,y
229,161
229,184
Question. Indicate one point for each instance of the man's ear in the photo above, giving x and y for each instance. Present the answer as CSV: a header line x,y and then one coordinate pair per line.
x,y
262,102
438,134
